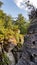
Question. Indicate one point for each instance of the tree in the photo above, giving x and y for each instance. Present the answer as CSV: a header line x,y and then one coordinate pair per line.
x,y
8,22
33,14
20,19
29,5
21,22
1,3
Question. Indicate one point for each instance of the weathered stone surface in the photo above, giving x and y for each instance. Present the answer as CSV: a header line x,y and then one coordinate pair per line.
x,y
29,55
11,58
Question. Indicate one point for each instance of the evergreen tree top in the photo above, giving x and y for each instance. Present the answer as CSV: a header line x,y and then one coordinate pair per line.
x,y
1,3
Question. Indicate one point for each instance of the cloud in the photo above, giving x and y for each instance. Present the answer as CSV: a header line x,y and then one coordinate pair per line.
x,y
18,3
21,3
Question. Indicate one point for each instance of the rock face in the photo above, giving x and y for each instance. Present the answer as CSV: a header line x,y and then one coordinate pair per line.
x,y
11,58
29,54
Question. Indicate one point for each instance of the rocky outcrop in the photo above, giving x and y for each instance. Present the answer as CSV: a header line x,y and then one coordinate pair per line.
x,y
29,54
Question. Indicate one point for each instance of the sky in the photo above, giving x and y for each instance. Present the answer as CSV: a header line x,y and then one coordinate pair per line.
x,y
21,3
15,7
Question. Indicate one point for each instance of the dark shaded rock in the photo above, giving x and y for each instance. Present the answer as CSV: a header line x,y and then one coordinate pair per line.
x,y
17,52
29,49
29,54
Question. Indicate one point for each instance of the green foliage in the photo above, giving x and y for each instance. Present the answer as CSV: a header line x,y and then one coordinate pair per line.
x,y
5,59
8,28
22,24
20,19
